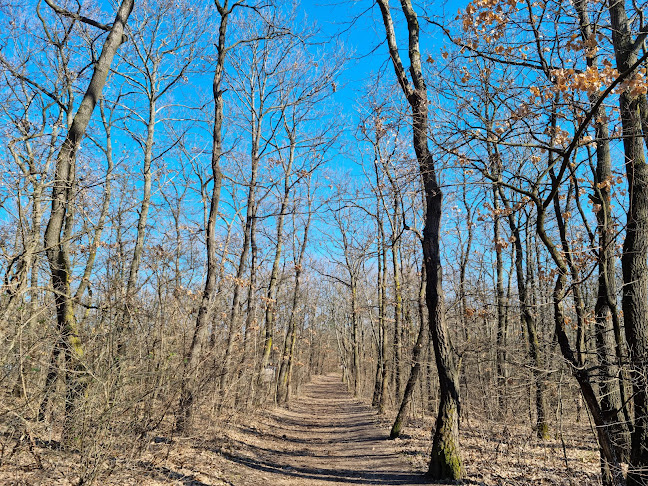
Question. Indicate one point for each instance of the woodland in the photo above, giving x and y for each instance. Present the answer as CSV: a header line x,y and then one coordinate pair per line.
x,y
212,209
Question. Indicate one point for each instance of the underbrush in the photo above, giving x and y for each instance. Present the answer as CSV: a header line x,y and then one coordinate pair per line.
x,y
509,454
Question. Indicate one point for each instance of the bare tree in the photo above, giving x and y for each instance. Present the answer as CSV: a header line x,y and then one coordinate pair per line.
x,y
161,54
62,201
445,461
193,355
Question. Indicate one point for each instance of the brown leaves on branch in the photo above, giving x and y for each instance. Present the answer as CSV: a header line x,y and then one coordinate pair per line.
x,y
487,18
593,80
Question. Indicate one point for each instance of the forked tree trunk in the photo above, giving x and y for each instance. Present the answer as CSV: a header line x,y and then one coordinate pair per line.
x,y
56,245
609,339
445,461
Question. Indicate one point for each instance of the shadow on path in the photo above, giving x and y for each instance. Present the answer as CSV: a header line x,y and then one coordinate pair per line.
x,y
325,437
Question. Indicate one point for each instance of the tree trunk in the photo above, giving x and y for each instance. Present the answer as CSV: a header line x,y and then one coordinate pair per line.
x,y
635,245
445,462
250,320
235,310
401,417
398,310
500,299
271,307
56,245
285,370
355,345
131,285
380,361
581,373
193,355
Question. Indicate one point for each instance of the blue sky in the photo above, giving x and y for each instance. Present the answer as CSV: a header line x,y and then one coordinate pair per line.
x,y
359,25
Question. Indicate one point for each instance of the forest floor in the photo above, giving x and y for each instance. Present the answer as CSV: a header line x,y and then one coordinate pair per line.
x,y
325,437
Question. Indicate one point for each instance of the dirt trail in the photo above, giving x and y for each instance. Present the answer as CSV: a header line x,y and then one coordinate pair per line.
x,y
325,438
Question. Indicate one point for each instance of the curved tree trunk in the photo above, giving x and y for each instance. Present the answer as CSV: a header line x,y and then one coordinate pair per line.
x,y
445,462
581,373
56,245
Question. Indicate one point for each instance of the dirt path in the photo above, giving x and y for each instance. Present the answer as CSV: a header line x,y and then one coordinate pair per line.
x,y
326,438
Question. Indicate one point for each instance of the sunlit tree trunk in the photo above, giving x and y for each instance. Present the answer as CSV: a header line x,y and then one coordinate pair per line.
x,y
445,462
271,307
193,355
56,245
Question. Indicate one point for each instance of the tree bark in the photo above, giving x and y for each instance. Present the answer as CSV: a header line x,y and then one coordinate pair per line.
x,y
193,355
56,245
635,246
501,303
415,371
445,462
